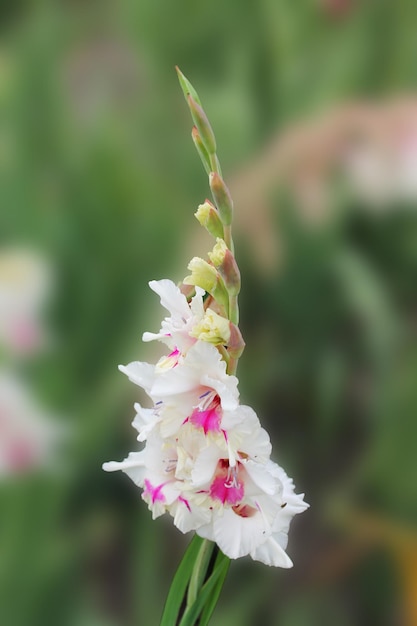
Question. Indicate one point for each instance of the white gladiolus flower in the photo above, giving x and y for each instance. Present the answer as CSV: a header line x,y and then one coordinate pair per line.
x,y
206,458
175,330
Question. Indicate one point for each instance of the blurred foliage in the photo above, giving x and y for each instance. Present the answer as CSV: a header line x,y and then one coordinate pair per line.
x,y
98,172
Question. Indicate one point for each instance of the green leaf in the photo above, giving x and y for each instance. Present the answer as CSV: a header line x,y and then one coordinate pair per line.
x,y
212,600
209,593
199,570
180,581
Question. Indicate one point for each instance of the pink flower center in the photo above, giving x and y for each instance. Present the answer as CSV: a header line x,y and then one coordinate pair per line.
x,y
226,485
208,415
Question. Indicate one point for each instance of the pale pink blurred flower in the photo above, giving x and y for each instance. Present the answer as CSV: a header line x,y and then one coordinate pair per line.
x,y
28,435
25,282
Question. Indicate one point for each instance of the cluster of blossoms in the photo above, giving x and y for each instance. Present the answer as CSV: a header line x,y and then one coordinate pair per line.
x,y
206,459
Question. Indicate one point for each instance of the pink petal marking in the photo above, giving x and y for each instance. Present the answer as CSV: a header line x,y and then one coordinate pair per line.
x,y
184,501
174,356
154,492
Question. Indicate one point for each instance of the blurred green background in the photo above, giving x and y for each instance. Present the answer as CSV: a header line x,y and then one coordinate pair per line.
x,y
99,176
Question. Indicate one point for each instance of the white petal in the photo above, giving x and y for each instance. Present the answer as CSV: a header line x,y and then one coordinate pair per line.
x,y
237,536
133,466
140,373
154,337
271,553
262,477
197,304
205,466
171,297
206,532
144,421
186,520
245,433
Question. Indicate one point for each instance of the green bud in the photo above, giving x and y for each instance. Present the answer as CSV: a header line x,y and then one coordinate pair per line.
x,y
223,259
186,86
222,198
208,217
202,152
203,125
236,343
208,278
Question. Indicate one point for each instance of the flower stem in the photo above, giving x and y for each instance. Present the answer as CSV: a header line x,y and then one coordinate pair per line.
x,y
199,571
214,163
228,238
234,310
202,608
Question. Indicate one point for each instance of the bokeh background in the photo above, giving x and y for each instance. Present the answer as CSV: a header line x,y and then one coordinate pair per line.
x,y
314,104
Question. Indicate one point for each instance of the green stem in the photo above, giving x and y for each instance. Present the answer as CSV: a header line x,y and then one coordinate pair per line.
x,y
208,595
199,571
179,583
214,163
224,353
227,230
234,310
232,366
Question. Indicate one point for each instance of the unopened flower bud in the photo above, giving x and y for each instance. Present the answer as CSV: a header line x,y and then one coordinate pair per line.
x,y
208,278
213,328
223,259
203,274
186,86
236,343
203,125
222,197
208,217
202,152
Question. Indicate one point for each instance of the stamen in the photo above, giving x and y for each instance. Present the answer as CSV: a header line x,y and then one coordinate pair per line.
x,y
232,481
207,399
157,408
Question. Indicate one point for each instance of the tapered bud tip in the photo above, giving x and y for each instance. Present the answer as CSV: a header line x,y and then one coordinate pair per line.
x,y
186,86
200,119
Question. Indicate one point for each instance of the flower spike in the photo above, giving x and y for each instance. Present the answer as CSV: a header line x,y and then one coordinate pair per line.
x,y
205,459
